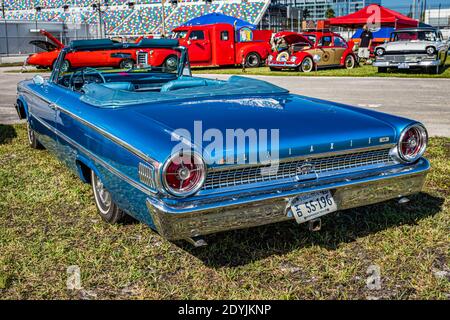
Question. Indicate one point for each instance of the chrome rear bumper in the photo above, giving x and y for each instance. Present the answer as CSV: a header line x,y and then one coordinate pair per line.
x,y
392,64
207,216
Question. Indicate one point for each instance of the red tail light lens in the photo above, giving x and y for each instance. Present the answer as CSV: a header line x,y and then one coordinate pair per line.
x,y
184,174
413,142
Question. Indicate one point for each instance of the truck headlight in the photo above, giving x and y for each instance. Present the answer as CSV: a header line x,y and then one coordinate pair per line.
x,y
431,51
380,52
183,174
412,143
270,57
293,59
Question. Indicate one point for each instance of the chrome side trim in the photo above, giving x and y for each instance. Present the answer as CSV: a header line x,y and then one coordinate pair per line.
x,y
106,165
101,131
146,174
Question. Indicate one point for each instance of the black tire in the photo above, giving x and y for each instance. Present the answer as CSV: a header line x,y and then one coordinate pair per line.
x,y
32,140
382,69
252,60
170,64
350,62
126,64
107,209
307,65
65,67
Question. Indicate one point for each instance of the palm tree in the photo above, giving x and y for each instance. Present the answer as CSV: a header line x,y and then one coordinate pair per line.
x,y
330,13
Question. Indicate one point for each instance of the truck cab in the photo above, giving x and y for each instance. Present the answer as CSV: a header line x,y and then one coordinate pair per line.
x,y
221,44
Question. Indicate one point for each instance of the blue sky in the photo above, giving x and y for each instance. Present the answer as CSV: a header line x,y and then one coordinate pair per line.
x,y
403,5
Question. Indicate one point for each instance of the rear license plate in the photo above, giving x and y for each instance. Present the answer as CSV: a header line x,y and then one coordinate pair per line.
x,y
403,66
313,205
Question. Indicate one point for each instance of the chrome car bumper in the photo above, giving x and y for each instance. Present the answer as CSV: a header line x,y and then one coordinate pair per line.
x,y
195,218
283,64
393,64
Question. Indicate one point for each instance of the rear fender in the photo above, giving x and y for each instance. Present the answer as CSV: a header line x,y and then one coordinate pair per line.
x,y
84,166
21,108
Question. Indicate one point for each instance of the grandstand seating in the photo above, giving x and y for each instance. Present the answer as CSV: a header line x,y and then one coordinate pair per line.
x,y
146,16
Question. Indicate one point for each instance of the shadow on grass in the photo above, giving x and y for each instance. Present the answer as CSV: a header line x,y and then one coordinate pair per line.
x,y
7,133
241,247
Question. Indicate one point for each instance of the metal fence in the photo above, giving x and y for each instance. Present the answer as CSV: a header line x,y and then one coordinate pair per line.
x,y
15,36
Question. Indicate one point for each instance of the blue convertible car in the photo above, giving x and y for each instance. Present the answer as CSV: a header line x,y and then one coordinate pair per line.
x,y
191,156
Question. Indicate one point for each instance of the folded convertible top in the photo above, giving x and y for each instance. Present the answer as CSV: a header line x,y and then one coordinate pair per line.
x,y
106,97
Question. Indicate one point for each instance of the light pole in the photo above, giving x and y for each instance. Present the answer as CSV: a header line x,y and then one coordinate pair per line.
x,y
97,6
439,17
6,27
163,17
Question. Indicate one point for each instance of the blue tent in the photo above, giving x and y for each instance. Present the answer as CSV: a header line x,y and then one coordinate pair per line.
x,y
383,33
215,17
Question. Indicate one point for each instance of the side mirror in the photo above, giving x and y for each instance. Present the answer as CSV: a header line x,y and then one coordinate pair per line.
x,y
187,71
38,80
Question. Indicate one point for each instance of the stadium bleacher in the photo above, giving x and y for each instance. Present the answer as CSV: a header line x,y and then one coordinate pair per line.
x,y
143,18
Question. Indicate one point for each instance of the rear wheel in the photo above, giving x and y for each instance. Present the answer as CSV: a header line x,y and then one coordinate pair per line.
x,y
171,63
126,64
106,207
350,62
32,140
307,65
252,60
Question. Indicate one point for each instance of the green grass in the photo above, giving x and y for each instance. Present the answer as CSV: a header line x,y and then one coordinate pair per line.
x,y
363,71
48,222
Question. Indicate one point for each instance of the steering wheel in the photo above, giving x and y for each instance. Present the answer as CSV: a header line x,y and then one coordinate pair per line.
x,y
81,74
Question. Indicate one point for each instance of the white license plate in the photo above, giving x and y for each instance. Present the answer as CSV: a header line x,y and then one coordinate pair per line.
x,y
403,66
313,205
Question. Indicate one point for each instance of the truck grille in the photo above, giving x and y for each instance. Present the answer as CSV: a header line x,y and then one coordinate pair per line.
x,y
396,58
142,58
298,168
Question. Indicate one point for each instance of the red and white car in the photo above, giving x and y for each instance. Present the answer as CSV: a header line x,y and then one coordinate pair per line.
x,y
308,50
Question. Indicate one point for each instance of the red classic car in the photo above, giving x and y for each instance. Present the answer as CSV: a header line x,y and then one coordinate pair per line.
x,y
123,58
307,50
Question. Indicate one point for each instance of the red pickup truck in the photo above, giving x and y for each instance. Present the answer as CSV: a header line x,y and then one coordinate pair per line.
x,y
221,44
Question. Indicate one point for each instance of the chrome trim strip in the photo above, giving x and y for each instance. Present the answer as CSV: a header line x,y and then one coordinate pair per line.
x,y
107,135
106,165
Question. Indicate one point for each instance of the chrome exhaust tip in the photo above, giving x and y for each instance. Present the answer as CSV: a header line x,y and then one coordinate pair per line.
x,y
403,200
197,242
315,225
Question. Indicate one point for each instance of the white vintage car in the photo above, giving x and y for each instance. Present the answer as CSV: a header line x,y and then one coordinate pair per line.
x,y
410,48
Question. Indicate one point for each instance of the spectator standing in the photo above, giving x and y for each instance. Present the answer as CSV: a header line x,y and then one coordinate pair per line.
x,y
365,44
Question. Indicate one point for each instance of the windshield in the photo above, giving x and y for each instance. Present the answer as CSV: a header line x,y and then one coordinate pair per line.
x,y
311,38
179,34
414,35
125,68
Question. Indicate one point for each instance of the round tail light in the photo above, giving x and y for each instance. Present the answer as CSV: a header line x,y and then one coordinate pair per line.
x,y
184,174
413,142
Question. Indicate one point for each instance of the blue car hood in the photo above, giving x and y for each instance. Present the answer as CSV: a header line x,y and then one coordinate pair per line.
x,y
305,126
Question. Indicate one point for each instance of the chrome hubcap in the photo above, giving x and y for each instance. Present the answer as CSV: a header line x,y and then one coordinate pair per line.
x,y
252,61
306,65
349,62
30,134
102,195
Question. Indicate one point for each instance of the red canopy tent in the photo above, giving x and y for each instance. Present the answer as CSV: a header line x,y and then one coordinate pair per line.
x,y
374,14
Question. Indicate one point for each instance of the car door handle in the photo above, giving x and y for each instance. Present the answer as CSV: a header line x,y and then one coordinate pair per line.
x,y
53,106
